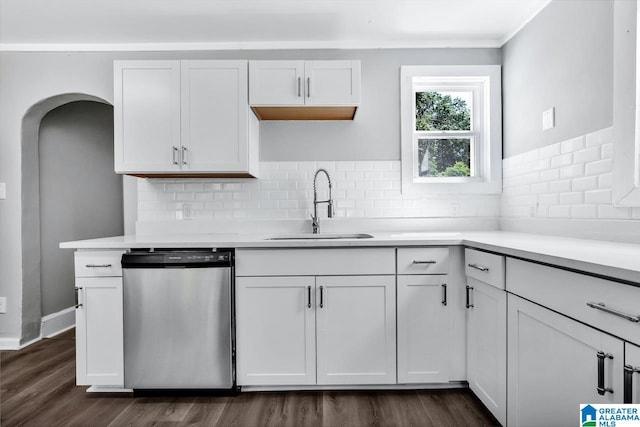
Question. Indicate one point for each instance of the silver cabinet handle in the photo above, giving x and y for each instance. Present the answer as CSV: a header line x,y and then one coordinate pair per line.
x,y
628,382
602,307
424,262
321,297
184,155
601,388
175,155
78,305
299,85
478,267
308,87
469,289
308,296
444,294
98,265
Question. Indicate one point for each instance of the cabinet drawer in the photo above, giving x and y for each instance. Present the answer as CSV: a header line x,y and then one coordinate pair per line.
x,y
423,261
98,263
314,262
486,267
606,305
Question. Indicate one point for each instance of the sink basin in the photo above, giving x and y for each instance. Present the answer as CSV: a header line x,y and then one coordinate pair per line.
x,y
321,236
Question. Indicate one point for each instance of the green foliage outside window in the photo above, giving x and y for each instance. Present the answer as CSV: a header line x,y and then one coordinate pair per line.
x,y
436,111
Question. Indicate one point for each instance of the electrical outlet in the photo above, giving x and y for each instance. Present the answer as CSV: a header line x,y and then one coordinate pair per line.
x,y
3,304
549,119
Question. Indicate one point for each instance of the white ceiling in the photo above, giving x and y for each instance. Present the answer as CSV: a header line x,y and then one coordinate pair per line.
x,y
259,24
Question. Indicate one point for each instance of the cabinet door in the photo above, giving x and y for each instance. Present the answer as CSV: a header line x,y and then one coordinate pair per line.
x,y
332,82
275,331
487,346
554,366
356,329
424,329
631,373
276,82
146,116
99,332
214,116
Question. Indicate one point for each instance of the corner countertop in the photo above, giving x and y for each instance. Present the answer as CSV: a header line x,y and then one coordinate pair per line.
x,y
610,259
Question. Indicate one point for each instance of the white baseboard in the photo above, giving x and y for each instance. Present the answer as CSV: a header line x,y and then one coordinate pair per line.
x,y
9,343
434,386
56,323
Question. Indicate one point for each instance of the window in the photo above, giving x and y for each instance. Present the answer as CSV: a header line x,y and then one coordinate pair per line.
x,y
451,129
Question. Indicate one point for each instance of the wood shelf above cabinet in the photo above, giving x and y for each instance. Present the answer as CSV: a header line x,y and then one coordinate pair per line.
x,y
305,113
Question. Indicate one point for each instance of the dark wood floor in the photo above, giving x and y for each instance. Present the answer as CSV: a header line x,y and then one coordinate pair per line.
x,y
37,388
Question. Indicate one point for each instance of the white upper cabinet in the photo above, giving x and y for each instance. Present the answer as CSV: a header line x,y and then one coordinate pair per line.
x,y
184,118
332,82
146,116
276,83
328,90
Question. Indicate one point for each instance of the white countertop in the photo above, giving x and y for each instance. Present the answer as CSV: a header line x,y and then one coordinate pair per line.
x,y
611,259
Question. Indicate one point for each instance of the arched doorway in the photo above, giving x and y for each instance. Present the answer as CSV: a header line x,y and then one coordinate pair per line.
x,y
70,192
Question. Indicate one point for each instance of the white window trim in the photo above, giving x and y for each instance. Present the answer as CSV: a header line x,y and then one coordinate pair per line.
x,y
488,151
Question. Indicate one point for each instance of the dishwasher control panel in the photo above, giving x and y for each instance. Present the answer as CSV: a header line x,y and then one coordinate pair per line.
x,y
177,259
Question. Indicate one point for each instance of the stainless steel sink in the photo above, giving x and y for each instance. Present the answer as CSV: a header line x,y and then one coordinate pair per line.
x,y
321,236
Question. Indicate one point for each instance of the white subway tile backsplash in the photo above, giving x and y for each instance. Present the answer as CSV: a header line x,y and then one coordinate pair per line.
x,y
600,137
561,160
598,197
285,190
572,171
584,183
587,155
572,145
571,198
599,167
578,183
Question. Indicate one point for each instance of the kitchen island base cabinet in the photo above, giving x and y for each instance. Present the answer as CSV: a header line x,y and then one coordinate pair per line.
x,y
99,332
487,345
289,328
554,366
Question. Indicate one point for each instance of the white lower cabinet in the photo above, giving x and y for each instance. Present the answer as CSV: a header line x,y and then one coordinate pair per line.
x,y
276,338
99,331
487,345
631,373
424,329
555,364
289,328
356,330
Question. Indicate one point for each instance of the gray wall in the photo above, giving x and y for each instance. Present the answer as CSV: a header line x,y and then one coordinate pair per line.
x,y
80,195
564,59
28,79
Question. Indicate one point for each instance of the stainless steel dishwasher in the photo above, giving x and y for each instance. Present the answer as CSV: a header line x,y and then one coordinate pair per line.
x,y
178,319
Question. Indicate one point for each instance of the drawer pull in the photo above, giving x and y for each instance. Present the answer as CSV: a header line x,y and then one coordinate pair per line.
x,y
98,265
444,294
601,388
469,289
308,296
78,305
602,307
628,382
478,267
321,297
430,261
